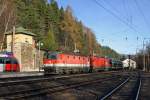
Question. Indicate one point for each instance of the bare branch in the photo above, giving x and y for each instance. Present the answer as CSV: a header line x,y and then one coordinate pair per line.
x,y
7,18
3,7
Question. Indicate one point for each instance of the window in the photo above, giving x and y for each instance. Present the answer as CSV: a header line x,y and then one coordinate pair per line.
x,y
1,60
26,40
45,55
14,61
110,61
52,56
8,61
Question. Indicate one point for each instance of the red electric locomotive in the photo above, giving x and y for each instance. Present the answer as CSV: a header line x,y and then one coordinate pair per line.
x,y
65,63
8,63
100,63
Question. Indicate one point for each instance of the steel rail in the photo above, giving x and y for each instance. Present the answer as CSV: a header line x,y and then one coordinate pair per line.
x,y
139,88
28,80
115,89
10,82
45,90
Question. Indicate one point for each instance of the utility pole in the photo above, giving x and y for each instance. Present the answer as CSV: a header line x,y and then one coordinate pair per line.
x,y
147,48
136,55
129,61
12,42
75,49
148,55
145,63
143,56
90,49
90,44
66,39
148,62
39,54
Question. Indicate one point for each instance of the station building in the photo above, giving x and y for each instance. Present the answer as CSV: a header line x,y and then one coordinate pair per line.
x,y
129,63
24,48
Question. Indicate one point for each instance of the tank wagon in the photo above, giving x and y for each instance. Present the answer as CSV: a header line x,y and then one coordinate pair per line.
x,y
62,63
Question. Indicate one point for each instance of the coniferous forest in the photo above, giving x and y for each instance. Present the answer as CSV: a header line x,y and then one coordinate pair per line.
x,y
55,26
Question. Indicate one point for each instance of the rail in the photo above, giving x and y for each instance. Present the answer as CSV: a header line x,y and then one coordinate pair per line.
x,y
115,89
49,89
135,92
139,88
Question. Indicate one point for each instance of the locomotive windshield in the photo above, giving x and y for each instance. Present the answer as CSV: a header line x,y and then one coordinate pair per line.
x,y
50,55
8,60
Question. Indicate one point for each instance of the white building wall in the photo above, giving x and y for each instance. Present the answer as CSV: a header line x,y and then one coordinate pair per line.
x,y
126,63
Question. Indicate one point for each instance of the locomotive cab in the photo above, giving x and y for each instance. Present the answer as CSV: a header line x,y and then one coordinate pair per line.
x,y
50,59
2,64
9,64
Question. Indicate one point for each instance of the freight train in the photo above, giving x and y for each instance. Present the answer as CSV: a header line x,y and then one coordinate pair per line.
x,y
8,63
63,63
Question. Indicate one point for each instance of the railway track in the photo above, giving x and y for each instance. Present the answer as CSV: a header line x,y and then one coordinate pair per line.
x,y
45,90
127,90
144,92
48,89
31,79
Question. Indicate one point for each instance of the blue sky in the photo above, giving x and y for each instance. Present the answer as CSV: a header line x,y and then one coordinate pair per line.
x,y
108,29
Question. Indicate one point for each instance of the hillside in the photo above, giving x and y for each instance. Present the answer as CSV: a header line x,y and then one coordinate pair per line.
x,y
56,27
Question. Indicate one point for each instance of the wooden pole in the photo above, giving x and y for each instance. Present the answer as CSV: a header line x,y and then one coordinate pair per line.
x,y
12,43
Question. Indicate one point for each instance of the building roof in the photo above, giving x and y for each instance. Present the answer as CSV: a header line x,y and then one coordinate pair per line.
x,y
20,30
126,60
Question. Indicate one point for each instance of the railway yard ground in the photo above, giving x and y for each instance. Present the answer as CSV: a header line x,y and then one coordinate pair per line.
x,y
112,85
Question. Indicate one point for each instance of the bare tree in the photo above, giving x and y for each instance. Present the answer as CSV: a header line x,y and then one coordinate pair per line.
x,y
7,18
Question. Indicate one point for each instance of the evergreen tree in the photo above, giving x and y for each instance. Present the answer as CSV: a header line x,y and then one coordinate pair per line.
x,y
50,42
58,28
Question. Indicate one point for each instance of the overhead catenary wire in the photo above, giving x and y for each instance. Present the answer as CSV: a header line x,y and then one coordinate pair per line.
x,y
142,14
117,11
128,22
125,9
129,11
128,18
111,6
116,16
